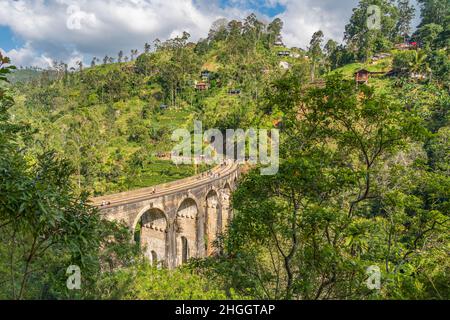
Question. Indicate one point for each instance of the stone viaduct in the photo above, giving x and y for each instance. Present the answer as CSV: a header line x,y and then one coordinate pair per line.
x,y
178,220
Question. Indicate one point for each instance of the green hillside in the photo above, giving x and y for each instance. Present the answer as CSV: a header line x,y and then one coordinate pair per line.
x,y
361,190
120,144
114,121
24,75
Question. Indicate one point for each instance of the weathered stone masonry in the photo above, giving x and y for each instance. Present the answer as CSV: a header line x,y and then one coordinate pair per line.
x,y
179,220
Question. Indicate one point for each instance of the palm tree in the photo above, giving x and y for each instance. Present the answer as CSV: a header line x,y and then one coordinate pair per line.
x,y
419,63
134,53
80,65
146,47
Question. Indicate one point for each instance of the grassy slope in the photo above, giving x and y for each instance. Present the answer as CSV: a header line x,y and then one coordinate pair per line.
x,y
110,125
110,134
377,81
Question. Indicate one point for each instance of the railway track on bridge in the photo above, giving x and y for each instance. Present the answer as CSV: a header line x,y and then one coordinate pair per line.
x,y
157,191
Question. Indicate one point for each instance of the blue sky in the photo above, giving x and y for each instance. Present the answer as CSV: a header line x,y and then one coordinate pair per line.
x,y
8,40
262,6
35,32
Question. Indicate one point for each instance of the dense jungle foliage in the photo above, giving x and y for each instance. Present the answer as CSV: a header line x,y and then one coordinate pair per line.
x,y
364,169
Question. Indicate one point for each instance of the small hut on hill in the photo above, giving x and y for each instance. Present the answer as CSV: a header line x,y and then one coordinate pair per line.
x,y
362,76
202,86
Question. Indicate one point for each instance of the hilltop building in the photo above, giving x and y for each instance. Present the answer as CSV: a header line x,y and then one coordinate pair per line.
x,y
363,75
202,86
284,53
234,91
205,74
406,46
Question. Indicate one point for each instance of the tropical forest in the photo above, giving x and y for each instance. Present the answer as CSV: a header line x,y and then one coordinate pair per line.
x,y
364,162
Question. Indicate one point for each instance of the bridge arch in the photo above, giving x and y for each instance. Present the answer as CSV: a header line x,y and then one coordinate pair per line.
x,y
213,219
188,197
152,230
144,211
186,222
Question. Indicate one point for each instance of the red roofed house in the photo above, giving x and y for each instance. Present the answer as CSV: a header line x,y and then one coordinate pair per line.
x,y
362,76
202,86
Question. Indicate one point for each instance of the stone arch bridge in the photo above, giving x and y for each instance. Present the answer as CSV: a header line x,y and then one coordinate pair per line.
x,y
178,220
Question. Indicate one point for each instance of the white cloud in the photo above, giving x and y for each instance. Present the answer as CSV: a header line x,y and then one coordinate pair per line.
x,y
69,29
27,56
58,28
304,17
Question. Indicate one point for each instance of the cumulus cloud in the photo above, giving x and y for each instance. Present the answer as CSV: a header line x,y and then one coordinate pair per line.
x,y
59,28
69,29
27,56
304,17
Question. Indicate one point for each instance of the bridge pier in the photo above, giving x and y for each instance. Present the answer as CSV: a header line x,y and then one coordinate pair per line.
x,y
179,220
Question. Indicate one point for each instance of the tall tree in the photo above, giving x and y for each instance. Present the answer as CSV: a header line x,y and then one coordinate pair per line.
x,y
147,47
336,207
315,51
274,30
45,224
134,53
405,15
80,65
428,34
218,30
364,41
252,30
330,49
434,11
